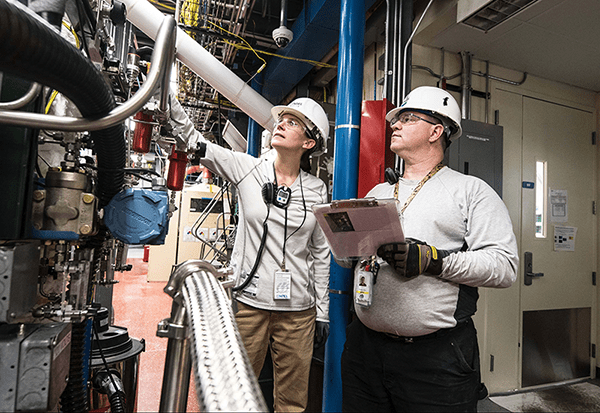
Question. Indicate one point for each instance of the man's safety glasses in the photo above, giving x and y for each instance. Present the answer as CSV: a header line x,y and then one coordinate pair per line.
x,y
408,118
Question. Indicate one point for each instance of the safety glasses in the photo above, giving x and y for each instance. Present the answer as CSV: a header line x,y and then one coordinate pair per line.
x,y
291,124
408,118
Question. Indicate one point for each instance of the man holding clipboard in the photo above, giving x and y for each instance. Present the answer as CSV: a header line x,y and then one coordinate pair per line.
x,y
413,345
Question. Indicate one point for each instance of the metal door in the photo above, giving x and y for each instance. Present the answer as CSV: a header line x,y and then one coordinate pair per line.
x,y
558,239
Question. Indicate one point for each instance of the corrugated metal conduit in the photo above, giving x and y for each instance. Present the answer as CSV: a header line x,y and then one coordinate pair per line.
x,y
223,374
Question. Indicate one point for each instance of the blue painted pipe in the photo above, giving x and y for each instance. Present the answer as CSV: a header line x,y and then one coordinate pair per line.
x,y
254,129
345,184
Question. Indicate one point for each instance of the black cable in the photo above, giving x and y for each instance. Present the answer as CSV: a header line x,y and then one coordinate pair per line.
x,y
37,168
141,170
90,14
263,241
84,45
102,356
304,205
285,238
46,162
143,178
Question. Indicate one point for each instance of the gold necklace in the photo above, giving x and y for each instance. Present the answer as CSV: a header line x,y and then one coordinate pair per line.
x,y
418,187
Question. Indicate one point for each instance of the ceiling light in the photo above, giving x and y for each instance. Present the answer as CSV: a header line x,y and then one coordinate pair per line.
x,y
495,12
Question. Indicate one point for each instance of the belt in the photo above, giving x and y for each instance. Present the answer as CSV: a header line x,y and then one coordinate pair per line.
x,y
441,332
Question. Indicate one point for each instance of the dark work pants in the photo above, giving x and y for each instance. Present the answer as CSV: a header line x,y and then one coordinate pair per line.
x,y
439,373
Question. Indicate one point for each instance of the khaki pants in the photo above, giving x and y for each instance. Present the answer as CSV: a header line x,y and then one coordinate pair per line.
x,y
291,334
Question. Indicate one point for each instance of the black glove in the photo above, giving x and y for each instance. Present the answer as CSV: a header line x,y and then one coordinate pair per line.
x,y
413,257
321,333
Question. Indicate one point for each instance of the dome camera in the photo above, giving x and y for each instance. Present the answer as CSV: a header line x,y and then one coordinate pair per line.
x,y
282,36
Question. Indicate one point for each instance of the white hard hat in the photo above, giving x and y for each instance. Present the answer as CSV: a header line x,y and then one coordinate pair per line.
x,y
434,102
314,117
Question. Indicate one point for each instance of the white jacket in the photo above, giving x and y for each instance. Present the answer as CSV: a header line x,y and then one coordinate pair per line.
x,y
306,249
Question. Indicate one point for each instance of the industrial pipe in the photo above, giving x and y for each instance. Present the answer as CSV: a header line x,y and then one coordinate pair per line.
x,y
178,361
465,84
31,94
32,50
406,67
147,18
159,74
345,184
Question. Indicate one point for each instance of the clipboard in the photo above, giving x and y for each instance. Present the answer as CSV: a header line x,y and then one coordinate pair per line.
x,y
355,228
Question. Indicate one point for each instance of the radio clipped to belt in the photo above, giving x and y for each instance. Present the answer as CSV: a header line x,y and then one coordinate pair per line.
x,y
365,280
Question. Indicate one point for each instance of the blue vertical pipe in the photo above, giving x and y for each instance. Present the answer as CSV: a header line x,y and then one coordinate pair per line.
x,y
345,184
254,129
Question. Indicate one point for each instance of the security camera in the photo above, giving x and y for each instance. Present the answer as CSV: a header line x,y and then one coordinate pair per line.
x,y
282,36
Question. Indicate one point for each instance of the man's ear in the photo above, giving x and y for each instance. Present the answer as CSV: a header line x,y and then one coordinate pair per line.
x,y
437,133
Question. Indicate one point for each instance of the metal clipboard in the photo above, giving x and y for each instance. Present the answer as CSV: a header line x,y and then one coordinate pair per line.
x,y
355,228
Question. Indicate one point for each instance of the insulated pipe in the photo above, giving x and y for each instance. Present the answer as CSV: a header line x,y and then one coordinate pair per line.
x,y
147,18
345,184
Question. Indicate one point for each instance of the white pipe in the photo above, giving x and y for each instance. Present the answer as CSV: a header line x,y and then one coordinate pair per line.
x,y
406,51
147,18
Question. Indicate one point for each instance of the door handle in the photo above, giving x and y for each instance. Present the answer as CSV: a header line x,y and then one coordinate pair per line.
x,y
529,274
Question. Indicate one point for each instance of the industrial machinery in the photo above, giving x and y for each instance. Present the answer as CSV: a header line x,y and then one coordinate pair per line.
x,y
90,166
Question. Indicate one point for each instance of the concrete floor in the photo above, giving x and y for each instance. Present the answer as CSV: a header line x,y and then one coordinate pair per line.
x,y
139,305
559,399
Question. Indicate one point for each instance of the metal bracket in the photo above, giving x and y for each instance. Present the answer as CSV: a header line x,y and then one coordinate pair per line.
x,y
168,329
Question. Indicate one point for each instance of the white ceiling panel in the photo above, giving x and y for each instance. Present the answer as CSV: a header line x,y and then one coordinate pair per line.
x,y
554,39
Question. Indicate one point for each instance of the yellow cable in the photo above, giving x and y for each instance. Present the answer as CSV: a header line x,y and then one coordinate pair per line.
x,y
51,100
313,62
158,3
248,47
72,31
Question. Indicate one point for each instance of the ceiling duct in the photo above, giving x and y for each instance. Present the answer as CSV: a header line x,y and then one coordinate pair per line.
x,y
487,14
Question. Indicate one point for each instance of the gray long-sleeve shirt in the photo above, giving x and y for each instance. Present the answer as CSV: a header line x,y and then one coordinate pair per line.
x,y
306,249
449,211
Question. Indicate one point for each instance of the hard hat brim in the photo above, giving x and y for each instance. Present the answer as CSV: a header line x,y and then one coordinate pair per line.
x,y
277,111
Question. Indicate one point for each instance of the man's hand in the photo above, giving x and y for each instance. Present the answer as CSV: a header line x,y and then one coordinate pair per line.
x,y
321,333
413,257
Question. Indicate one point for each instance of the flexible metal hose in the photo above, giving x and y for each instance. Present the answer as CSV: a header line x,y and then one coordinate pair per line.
x,y
30,49
224,377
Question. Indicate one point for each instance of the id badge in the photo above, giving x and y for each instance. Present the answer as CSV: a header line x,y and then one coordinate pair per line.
x,y
283,285
363,288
